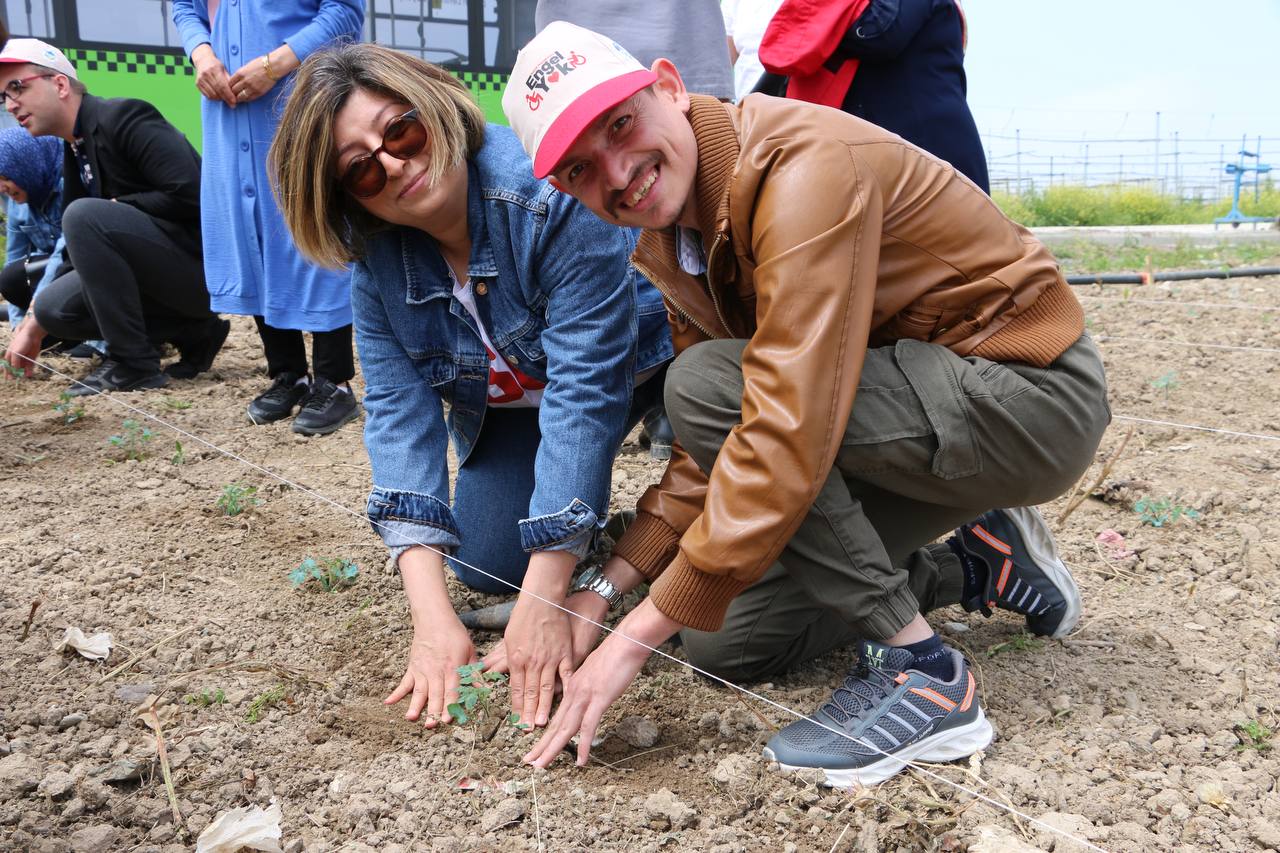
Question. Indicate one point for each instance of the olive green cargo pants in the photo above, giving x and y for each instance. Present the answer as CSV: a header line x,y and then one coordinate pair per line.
x,y
934,441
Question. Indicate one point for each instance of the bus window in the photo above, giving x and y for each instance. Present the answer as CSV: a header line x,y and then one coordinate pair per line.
x,y
33,18
133,22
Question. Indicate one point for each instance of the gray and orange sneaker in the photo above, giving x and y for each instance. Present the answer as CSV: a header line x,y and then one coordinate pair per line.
x,y
1011,554
883,716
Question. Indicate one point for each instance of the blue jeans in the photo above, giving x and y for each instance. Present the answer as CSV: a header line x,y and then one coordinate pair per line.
x,y
493,489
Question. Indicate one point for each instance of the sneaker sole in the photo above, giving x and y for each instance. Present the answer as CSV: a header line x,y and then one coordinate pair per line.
x,y
1039,541
331,428
949,745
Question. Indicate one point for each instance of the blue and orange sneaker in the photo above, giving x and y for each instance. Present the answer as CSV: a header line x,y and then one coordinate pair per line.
x,y
883,716
1012,563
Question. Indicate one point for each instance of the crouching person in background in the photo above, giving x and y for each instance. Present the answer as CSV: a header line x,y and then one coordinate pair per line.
x,y
131,221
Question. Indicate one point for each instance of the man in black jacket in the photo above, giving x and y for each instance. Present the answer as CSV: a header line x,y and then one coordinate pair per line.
x,y
131,219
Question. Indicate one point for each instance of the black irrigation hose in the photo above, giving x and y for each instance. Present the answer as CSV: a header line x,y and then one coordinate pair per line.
x,y
1177,275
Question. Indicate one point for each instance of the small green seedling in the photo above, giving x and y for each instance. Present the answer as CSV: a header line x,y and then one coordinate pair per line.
x,y
329,573
175,405
205,698
69,411
475,693
1165,384
237,498
1162,512
1253,735
179,455
264,701
1020,643
11,370
132,440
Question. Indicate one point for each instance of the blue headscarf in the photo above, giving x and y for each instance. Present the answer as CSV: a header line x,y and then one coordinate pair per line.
x,y
34,163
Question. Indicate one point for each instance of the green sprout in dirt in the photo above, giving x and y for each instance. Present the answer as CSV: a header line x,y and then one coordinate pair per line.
x,y
205,698
264,701
329,573
1020,643
13,372
1165,383
132,440
475,693
179,455
1253,735
237,498
175,405
1162,512
69,411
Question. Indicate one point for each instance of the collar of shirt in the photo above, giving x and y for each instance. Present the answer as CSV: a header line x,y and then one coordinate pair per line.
x,y
689,252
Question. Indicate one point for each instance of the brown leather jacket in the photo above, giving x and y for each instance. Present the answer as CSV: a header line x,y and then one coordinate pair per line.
x,y
824,235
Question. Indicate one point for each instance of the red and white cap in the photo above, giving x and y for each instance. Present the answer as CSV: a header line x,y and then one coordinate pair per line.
x,y
37,52
562,81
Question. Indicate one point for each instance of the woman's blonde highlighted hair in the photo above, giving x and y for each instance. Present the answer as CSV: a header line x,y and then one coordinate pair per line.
x,y
328,226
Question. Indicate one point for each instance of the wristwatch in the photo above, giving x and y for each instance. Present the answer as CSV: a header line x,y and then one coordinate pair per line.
x,y
595,581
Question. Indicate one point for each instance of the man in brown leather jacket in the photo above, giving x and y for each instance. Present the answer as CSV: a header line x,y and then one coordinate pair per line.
x,y
870,355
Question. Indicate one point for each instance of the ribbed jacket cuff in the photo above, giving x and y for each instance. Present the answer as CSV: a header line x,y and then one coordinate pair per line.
x,y
692,597
1041,333
648,545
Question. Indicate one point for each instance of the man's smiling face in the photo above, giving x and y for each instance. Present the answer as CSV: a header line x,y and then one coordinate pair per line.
x,y
635,164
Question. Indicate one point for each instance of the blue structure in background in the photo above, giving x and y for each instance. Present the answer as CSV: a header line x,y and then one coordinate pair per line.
x,y
1234,216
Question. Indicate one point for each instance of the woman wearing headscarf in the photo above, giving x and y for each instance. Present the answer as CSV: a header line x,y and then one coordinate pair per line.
x,y
31,179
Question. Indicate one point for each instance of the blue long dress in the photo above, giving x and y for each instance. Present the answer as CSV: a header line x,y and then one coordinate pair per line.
x,y
251,264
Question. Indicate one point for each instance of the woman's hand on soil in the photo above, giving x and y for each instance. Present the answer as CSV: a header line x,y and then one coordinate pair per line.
x,y
24,347
602,678
594,609
432,674
212,78
538,646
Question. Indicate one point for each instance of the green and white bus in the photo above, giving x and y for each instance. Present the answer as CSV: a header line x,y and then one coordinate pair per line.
x,y
130,48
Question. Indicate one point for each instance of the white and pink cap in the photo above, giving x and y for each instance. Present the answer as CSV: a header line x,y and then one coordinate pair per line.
x,y
562,81
36,52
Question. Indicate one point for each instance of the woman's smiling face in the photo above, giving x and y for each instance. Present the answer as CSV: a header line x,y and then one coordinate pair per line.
x,y
409,196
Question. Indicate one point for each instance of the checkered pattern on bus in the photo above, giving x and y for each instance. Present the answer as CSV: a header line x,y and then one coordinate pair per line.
x,y
132,63
483,81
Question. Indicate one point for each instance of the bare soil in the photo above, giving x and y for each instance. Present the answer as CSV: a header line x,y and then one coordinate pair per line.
x,y
1126,734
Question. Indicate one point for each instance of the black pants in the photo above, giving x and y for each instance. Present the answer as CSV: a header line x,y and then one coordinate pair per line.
x,y
331,355
14,286
134,284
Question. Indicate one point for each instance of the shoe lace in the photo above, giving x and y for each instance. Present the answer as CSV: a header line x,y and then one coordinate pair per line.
x,y
318,395
863,689
280,388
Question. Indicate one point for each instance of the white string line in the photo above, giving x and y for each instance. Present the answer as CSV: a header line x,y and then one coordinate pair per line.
x,y
1102,339
115,398
1177,303
1262,436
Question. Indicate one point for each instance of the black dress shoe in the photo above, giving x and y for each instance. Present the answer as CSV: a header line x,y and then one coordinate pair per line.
x,y
198,355
117,376
278,401
325,409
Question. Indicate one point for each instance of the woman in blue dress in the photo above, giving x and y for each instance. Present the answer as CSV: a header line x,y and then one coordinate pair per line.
x,y
244,51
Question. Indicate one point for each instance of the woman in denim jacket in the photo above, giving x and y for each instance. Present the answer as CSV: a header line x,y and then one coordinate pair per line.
x,y
478,288
31,178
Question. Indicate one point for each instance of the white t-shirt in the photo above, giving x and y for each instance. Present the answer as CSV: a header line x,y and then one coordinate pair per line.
x,y
508,387
745,21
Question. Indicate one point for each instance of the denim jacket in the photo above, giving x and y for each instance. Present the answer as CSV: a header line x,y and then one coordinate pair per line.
x,y
31,231
559,299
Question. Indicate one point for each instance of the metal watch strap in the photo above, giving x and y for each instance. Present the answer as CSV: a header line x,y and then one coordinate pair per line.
x,y
593,580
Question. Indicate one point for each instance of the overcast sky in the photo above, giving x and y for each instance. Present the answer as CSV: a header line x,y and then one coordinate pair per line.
x,y
1102,68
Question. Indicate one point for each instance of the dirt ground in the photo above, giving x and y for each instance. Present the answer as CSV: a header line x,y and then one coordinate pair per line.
x,y
1146,730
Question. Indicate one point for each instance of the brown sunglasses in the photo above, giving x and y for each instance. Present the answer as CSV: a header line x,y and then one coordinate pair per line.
x,y
404,137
